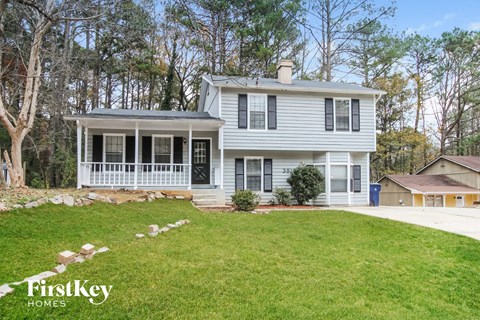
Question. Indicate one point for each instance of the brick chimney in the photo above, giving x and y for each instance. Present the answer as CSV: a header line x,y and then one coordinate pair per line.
x,y
284,71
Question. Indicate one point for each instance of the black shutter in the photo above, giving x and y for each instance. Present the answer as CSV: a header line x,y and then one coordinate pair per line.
x,y
328,114
272,112
178,152
357,178
97,151
239,175
147,152
355,115
242,111
130,152
267,175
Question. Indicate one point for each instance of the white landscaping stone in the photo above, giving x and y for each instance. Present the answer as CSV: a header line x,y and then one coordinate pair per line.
x,y
3,206
151,197
186,221
159,195
92,196
171,226
87,248
139,235
86,202
66,257
40,276
58,199
69,201
153,234
102,250
152,228
5,289
90,255
164,229
180,197
17,206
178,223
80,259
42,201
60,268
31,204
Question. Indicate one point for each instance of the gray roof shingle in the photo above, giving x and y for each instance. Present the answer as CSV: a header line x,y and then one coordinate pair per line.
x,y
297,85
145,114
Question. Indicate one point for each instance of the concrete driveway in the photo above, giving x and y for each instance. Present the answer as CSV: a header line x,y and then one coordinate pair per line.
x,y
463,221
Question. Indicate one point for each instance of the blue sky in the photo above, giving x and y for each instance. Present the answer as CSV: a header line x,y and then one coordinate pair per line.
x,y
431,18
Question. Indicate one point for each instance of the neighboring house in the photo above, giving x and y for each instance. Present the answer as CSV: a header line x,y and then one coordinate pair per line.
x,y
247,134
448,181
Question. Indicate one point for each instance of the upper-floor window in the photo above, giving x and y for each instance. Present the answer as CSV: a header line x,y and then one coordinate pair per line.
x,y
257,110
342,114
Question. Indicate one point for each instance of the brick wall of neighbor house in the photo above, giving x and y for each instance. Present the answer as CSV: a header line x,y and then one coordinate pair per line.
x,y
392,193
300,124
455,172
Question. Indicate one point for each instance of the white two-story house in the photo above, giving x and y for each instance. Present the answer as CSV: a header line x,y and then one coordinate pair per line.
x,y
248,133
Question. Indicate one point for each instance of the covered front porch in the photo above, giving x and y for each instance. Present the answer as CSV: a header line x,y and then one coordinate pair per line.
x,y
135,149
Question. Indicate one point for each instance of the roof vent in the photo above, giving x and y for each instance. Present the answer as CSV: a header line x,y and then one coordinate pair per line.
x,y
284,71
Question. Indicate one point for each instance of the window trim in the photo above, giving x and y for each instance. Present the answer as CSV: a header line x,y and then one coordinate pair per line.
x,y
343,164
265,111
153,147
335,115
104,155
245,159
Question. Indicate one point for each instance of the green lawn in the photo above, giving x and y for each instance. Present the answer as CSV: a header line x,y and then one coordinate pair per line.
x,y
286,265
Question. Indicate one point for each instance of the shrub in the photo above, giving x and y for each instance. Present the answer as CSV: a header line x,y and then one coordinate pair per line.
x,y
281,196
245,200
307,183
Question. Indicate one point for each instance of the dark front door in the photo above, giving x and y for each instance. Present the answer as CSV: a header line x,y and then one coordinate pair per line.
x,y
201,161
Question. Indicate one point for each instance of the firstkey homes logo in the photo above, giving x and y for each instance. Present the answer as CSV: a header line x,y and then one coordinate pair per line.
x,y
95,294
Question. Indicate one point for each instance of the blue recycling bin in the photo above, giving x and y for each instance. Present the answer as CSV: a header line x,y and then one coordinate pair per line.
x,y
375,189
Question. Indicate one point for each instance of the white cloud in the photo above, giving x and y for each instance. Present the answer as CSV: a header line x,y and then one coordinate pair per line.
x,y
436,24
474,26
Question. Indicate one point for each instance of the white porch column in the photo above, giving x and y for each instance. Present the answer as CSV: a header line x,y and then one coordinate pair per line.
x,y
85,149
79,155
423,200
349,182
444,200
327,177
136,166
220,142
190,157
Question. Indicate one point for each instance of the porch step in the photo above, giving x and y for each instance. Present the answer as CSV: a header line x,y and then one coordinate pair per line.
x,y
206,202
208,197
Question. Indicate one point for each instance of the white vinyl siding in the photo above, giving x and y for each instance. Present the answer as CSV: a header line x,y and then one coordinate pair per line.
x,y
300,125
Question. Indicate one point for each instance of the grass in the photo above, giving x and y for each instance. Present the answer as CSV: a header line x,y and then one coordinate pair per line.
x,y
286,265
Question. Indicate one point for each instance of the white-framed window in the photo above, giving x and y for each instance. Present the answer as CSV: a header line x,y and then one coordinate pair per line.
x,y
254,173
162,149
257,111
338,178
114,147
342,114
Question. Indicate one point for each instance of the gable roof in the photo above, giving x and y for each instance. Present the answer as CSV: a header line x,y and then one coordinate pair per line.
x,y
297,85
100,113
470,162
430,184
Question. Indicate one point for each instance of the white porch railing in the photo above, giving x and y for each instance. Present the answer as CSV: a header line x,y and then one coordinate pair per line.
x,y
134,174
